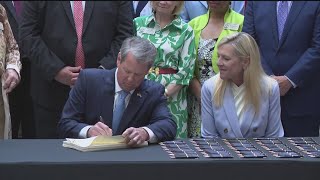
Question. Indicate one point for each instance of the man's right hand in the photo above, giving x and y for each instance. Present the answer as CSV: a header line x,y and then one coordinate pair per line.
x,y
99,129
68,75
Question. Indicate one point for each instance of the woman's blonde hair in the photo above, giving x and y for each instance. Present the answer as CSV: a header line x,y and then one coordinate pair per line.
x,y
253,78
176,10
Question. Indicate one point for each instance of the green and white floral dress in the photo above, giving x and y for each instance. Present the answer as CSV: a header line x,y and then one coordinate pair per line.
x,y
175,49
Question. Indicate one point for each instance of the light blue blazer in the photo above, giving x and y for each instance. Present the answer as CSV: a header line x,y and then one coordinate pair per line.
x,y
223,121
193,9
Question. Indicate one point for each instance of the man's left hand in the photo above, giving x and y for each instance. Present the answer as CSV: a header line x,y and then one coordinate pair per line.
x,y
135,136
284,84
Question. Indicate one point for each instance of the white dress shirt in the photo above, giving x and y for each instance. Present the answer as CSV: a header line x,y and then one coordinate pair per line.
x,y
83,5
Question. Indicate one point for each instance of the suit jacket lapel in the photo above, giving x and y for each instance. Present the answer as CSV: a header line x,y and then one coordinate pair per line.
x,y
107,98
11,8
294,12
248,117
87,14
230,110
141,5
67,7
136,101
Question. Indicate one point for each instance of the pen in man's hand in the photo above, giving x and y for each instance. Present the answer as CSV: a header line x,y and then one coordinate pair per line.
x,y
101,119
107,130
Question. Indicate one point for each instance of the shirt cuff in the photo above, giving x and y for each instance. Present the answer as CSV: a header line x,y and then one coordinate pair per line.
x,y
101,67
84,131
152,137
14,67
293,84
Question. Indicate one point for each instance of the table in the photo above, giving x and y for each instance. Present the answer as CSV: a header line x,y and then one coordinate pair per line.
x,y
47,159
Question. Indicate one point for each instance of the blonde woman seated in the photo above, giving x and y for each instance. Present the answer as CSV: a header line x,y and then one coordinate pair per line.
x,y
241,101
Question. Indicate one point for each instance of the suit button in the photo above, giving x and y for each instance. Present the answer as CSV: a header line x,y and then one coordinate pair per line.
x,y
225,130
255,129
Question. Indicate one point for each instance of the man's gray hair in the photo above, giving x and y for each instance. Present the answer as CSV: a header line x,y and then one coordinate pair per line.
x,y
142,49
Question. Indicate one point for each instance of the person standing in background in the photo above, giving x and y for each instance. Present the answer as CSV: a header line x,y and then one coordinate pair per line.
x,y
141,8
194,9
61,38
20,99
191,9
209,29
288,34
174,64
10,67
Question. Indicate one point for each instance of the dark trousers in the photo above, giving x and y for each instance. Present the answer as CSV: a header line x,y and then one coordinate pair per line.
x,y
46,122
300,126
20,104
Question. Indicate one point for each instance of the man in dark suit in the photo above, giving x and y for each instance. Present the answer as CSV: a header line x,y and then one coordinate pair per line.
x,y
288,34
20,101
93,105
138,7
63,37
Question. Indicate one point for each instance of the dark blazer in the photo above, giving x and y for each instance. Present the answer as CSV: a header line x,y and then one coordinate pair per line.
x,y
49,38
296,55
93,96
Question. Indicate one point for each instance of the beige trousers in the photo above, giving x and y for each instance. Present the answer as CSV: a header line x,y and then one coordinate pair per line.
x,y
2,116
5,120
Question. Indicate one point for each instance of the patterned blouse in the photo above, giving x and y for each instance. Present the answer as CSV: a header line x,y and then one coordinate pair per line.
x,y
175,49
205,50
9,51
204,61
9,59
